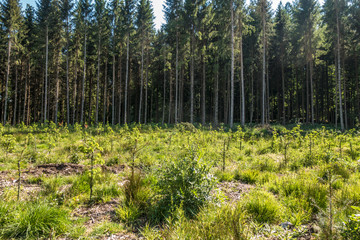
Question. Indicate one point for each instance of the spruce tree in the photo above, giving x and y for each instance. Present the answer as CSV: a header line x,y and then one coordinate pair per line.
x,y
12,21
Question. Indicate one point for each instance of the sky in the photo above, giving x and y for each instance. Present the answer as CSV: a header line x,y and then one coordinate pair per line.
x,y
158,9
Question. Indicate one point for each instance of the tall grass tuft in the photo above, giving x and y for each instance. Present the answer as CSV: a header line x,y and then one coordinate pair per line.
x,y
37,220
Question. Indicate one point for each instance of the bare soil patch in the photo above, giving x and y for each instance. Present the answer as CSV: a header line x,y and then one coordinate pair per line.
x,y
234,190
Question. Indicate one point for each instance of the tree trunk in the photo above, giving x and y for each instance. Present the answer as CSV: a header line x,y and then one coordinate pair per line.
x,y
67,74
146,87
105,93
46,71
216,88
203,101
177,76
83,84
141,80
339,70
232,67
7,80
263,68
75,89
127,77
98,82
57,85
192,74
16,93
164,91
26,91
113,92
242,84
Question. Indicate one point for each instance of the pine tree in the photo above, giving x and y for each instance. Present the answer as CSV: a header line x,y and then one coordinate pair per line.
x,y
128,14
174,18
12,22
305,14
83,18
43,18
144,24
66,13
100,25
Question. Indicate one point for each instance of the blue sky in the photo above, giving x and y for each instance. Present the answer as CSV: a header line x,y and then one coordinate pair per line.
x,y
158,9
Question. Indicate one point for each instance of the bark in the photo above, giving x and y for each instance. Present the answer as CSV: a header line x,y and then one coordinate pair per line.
x,y
339,70
216,105
83,84
7,80
67,74
127,77
203,101
164,92
232,68
192,74
146,88
177,77
46,71
98,82
105,93
57,85
16,94
75,89
113,92
263,68
26,91
141,81
242,84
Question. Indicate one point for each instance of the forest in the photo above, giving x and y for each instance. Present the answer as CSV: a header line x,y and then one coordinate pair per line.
x,y
235,120
220,61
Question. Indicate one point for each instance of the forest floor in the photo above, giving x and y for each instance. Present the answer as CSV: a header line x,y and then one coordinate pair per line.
x,y
180,182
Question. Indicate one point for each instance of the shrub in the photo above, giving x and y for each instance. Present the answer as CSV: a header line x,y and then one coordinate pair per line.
x,y
352,227
185,182
262,207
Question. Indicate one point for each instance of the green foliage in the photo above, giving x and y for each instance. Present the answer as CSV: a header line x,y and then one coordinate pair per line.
x,y
37,220
351,228
262,206
186,182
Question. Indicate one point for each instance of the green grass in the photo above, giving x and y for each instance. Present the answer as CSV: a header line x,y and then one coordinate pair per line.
x,y
173,192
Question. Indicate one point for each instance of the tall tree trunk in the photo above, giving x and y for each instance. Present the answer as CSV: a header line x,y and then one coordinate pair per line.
x,y
127,77
242,84
7,80
263,68
83,84
75,89
26,91
203,101
113,92
164,91
16,93
67,74
192,46
98,82
146,88
283,89
339,69
105,93
177,76
120,86
46,72
232,67
57,85
216,88
141,80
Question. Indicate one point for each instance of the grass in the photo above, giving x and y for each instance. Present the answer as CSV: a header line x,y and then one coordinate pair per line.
x,y
36,220
173,192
